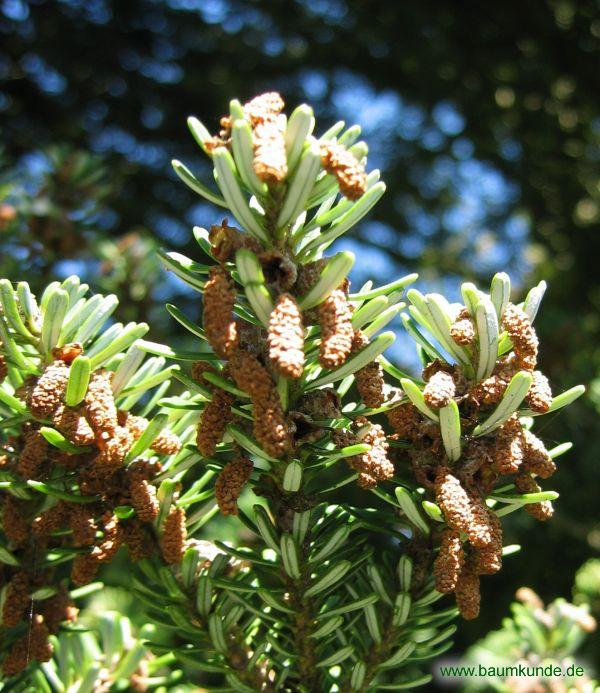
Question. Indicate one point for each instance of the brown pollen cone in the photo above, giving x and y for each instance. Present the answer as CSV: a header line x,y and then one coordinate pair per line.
x,y
83,525
17,658
166,443
174,536
539,397
406,421
17,600
449,562
112,540
537,459
369,379
286,337
507,451
541,511
462,330
15,526
337,332
351,176
59,608
468,596
3,368
33,455
49,389
374,465
213,421
453,500
270,159
138,540
230,483
73,425
439,390
219,298
523,336
84,569
143,496
101,411
40,648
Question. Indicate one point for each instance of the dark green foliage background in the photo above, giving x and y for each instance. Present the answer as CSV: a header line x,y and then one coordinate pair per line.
x,y
119,78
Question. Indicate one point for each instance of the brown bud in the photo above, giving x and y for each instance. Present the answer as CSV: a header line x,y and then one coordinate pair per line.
x,y
449,562
350,174
227,240
174,535
230,483
49,389
67,353
336,330
539,397
286,337
219,298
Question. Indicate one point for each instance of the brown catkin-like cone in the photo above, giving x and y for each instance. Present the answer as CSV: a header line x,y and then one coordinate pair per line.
x,y
488,559
453,500
83,525
17,658
449,562
198,370
230,483
113,451
215,417
541,511
264,107
14,524
523,336
462,330
369,379
40,648
480,531
143,498
539,397
270,160
59,608
537,459
488,391
336,330
33,455
286,337
166,443
439,390
52,519
3,368
227,240
406,421
84,569
174,535
507,451
106,550
270,428
101,411
17,600
468,596
308,276
374,465
138,541
219,298
73,425
49,389
351,176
